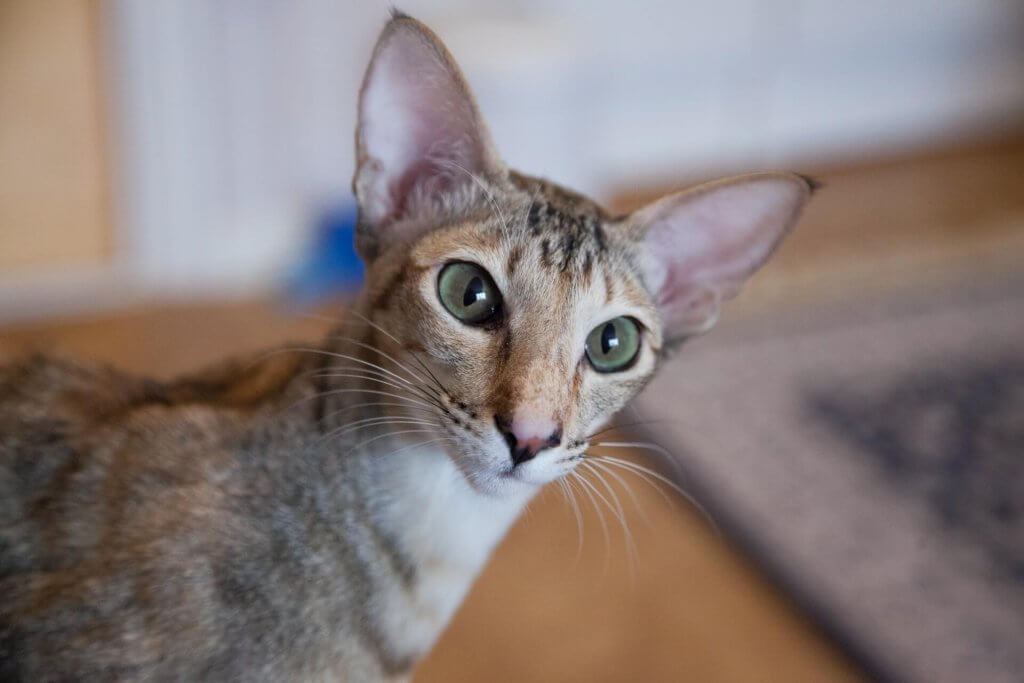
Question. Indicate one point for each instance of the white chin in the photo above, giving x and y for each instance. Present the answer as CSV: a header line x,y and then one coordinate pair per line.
x,y
502,483
534,477
495,477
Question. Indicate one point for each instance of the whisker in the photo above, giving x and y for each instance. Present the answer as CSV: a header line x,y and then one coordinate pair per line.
x,y
623,425
420,444
646,472
642,474
571,486
340,322
627,535
329,373
625,485
376,422
356,373
386,418
370,347
377,377
420,380
588,488
336,436
363,367
568,496
614,508
414,355
387,434
345,356
380,404
350,390
408,387
646,446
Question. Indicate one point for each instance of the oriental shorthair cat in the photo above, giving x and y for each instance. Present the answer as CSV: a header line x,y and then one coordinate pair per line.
x,y
318,513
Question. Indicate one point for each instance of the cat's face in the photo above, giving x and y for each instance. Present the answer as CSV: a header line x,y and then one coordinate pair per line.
x,y
538,313
536,322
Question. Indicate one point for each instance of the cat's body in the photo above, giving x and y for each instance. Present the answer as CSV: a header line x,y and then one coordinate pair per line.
x,y
246,551
318,514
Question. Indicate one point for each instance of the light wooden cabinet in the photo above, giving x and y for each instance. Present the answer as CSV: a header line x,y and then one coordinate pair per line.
x,y
54,209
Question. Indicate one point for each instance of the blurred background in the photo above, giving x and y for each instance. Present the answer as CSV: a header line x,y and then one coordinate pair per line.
x,y
174,181
189,147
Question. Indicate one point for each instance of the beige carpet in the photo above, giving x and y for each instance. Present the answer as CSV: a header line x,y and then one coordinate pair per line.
x,y
871,455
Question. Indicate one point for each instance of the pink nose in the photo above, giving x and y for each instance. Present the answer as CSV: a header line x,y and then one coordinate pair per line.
x,y
527,437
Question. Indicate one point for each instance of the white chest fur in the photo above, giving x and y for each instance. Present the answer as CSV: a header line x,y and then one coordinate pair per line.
x,y
450,531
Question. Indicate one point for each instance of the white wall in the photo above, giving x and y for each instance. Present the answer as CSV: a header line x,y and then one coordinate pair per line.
x,y
233,119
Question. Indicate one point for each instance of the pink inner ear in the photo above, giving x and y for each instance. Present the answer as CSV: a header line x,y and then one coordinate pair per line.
x,y
700,246
418,124
724,233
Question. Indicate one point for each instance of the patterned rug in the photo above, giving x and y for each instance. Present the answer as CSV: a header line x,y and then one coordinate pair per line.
x,y
871,459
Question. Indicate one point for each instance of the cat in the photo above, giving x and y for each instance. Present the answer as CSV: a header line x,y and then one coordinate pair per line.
x,y
318,514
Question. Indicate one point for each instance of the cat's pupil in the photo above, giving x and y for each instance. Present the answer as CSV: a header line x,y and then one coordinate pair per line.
x,y
474,292
609,339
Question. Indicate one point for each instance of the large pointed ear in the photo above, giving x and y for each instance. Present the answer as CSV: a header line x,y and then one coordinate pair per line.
x,y
698,246
419,135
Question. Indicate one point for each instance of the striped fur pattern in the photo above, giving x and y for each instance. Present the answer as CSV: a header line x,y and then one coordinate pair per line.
x,y
318,514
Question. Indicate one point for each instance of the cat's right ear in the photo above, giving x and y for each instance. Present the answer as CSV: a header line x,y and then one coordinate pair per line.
x,y
697,247
420,134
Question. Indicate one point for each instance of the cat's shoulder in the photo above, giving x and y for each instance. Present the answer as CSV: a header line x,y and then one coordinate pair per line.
x,y
57,387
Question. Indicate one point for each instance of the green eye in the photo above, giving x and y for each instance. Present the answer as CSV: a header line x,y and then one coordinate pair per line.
x,y
613,345
468,292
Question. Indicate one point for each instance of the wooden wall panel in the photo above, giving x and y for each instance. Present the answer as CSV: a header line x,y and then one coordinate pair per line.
x,y
53,175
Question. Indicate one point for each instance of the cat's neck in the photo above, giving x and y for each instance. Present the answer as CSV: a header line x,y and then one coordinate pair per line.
x,y
441,519
439,533
439,528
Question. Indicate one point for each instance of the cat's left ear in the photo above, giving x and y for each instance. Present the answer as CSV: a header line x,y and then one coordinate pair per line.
x,y
698,246
419,135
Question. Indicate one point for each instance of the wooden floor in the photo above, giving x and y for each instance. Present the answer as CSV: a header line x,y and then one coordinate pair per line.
x,y
675,602
680,605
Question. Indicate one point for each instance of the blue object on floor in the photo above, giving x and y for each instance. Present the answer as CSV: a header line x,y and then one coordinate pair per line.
x,y
332,266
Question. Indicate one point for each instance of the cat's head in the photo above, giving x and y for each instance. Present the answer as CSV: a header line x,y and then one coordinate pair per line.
x,y
539,313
